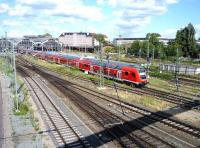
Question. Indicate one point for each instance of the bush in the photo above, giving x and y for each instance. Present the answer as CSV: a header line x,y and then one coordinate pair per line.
x,y
23,109
166,76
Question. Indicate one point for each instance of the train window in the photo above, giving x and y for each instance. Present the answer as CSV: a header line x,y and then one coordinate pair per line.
x,y
141,70
85,65
133,74
126,73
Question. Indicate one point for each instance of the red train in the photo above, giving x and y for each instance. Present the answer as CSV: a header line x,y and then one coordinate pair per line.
x,y
132,74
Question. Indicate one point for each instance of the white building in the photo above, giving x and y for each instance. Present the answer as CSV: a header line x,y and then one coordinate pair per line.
x,y
122,41
77,39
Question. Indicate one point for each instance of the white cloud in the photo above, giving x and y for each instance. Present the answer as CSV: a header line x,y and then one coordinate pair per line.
x,y
171,1
4,8
78,12
20,10
197,28
134,15
66,8
100,2
18,33
127,16
9,22
169,33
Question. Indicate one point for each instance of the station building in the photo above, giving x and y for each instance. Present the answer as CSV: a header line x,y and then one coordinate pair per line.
x,y
7,44
41,42
78,41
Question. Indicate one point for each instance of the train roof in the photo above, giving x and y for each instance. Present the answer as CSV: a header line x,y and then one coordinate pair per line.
x,y
105,63
114,64
68,56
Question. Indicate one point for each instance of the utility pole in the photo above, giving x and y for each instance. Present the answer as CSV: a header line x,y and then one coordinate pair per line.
x,y
101,81
177,70
119,47
148,58
85,42
140,50
108,60
160,70
152,56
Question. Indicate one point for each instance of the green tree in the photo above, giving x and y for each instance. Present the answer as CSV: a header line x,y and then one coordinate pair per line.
x,y
101,38
185,38
135,47
154,45
109,49
170,50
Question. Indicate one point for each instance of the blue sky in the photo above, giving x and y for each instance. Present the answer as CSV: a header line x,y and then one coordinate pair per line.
x,y
130,18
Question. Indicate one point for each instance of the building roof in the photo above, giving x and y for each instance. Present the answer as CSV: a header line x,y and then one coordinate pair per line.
x,y
141,38
130,39
79,33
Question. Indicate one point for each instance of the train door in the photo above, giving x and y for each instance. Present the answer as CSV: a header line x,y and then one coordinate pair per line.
x,y
54,59
59,60
91,68
77,64
119,74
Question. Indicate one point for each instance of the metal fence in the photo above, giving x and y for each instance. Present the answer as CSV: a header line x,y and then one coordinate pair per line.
x,y
184,69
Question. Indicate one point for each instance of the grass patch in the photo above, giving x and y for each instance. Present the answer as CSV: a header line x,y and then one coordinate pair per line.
x,y
144,100
170,87
23,109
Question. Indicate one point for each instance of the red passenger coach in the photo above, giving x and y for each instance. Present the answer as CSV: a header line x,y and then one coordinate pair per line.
x,y
84,64
132,74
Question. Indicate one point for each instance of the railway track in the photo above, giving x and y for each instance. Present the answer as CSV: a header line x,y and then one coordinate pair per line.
x,y
125,134
189,81
149,116
184,102
64,133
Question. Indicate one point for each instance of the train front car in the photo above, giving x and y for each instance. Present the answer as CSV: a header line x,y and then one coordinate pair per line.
x,y
143,76
134,75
